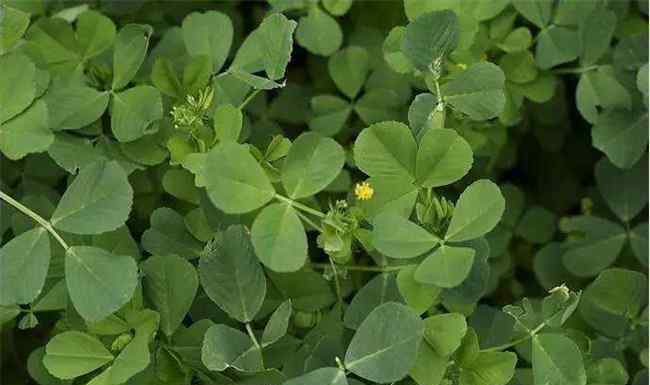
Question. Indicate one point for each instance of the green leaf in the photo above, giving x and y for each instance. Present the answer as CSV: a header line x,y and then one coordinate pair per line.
x,y
279,238
227,121
312,163
319,33
489,368
386,150
53,39
225,347
165,78
397,237
443,157
517,40
169,235
322,376
446,267
536,11
537,225
600,88
639,242
555,46
557,360
95,34
613,299
99,283
308,290
27,133
392,49
349,68
231,275
596,32
622,136
430,37
420,297
607,371
392,195
24,262
477,91
477,211
430,367
519,67
549,270
236,183
133,111
72,107
180,184
129,52
170,283
209,34
278,324
15,23
444,332
17,85
385,346
101,190
337,7
196,74
72,354
598,245
330,114
625,191
379,290
275,40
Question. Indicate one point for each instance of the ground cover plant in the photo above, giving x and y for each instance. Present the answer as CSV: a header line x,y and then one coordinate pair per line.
x,y
305,192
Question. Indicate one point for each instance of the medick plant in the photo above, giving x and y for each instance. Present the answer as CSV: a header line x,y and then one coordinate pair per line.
x,y
415,192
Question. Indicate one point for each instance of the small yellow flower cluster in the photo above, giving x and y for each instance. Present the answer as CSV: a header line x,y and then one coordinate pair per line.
x,y
363,191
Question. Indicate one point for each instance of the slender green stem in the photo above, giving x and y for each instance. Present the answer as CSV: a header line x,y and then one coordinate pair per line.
x,y
337,284
438,92
300,206
531,334
249,330
248,99
578,70
37,218
378,269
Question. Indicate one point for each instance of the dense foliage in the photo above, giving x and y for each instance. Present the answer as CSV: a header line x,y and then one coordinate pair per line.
x,y
305,192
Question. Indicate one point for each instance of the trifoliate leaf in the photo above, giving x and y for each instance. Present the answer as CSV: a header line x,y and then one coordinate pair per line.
x,y
349,68
397,237
430,37
72,354
24,262
443,157
133,111
101,190
311,164
26,133
279,238
170,283
236,183
99,283
555,46
129,52
208,34
446,267
385,346
625,191
477,211
319,33
536,11
231,275
386,150
477,91
557,360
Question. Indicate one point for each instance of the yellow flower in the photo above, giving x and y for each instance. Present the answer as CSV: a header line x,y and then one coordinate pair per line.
x,y
363,191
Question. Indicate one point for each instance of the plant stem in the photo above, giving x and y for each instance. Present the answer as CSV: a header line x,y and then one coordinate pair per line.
x,y
37,218
337,284
379,269
248,99
530,334
309,221
249,330
299,206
